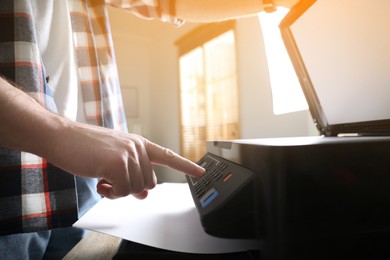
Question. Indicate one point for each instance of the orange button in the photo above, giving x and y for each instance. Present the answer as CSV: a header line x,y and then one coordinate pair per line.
x,y
227,177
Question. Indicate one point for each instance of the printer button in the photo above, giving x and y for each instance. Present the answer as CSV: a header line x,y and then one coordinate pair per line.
x,y
227,177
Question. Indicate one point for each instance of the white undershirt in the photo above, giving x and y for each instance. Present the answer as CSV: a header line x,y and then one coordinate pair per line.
x,y
56,46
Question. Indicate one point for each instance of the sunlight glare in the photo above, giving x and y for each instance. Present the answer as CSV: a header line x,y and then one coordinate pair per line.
x,y
287,95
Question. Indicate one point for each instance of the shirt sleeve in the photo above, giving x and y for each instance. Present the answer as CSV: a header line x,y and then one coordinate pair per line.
x,y
163,10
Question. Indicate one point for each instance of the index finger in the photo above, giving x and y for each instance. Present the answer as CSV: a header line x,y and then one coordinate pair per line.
x,y
164,156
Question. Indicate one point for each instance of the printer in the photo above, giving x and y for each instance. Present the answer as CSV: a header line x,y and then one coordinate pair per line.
x,y
319,196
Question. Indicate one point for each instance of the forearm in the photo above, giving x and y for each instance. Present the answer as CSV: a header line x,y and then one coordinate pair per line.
x,y
25,124
84,150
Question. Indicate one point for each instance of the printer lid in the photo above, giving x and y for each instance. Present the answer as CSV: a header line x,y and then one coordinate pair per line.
x,y
340,50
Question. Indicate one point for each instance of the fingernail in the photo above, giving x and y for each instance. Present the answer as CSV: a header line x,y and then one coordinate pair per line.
x,y
202,170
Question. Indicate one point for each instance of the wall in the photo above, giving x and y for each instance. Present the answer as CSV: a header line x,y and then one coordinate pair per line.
x,y
257,118
147,59
133,59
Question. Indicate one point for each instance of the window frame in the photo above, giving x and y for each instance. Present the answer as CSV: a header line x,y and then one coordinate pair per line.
x,y
197,38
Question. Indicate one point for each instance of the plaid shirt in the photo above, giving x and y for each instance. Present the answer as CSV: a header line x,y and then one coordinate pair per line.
x,y
35,195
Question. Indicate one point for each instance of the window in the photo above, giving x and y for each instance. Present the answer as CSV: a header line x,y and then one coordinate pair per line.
x,y
208,88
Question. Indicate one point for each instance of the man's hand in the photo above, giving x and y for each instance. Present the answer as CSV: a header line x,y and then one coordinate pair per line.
x,y
122,161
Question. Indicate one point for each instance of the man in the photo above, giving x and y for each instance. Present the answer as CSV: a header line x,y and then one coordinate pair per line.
x,y
63,131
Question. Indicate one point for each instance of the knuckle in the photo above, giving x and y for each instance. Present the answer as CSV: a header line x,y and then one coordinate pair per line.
x,y
151,185
135,141
137,187
169,154
123,190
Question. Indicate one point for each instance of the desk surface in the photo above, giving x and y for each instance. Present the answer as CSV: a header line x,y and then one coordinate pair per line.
x,y
95,246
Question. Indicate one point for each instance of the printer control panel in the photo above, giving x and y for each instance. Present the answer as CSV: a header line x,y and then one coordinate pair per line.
x,y
203,188
223,195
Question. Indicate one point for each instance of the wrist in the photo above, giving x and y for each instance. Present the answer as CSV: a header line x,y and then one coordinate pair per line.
x,y
50,135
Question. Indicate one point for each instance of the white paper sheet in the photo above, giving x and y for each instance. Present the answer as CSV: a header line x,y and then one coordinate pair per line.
x,y
166,219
